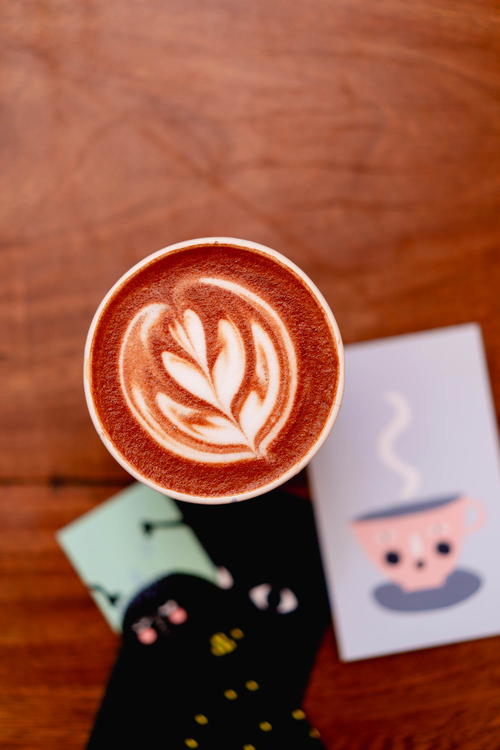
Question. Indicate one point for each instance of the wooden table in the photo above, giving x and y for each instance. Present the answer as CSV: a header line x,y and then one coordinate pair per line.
x,y
361,139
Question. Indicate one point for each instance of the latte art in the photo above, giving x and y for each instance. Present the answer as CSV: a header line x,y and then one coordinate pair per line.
x,y
218,399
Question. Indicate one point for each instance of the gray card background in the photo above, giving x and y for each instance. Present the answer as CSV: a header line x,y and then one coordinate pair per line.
x,y
451,441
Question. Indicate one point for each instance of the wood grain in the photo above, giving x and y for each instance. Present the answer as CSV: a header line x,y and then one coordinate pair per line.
x,y
55,648
362,140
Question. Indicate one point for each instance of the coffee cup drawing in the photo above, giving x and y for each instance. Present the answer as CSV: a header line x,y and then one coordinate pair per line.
x,y
417,546
417,542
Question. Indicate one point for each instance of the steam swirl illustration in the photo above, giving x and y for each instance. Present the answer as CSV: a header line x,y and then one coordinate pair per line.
x,y
400,421
210,387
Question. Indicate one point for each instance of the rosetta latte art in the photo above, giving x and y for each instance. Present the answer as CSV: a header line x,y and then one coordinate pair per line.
x,y
211,397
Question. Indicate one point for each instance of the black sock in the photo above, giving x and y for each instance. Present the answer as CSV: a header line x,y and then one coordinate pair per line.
x,y
224,666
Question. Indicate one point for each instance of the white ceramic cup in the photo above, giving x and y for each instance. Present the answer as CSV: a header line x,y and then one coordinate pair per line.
x,y
313,289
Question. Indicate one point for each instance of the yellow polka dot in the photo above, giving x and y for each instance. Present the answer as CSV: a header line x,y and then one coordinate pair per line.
x,y
314,733
236,633
248,747
298,714
252,685
231,695
190,742
201,719
265,726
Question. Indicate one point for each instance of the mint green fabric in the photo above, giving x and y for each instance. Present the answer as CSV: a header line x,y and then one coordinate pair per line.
x,y
109,548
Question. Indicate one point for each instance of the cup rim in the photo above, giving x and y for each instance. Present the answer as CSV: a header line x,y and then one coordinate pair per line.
x,y
409,509
310,285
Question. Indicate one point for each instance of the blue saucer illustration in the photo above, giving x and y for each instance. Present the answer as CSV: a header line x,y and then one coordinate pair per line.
x,y
460,585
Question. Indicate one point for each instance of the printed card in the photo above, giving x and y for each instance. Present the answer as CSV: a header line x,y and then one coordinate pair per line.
x,y
127,543
407,496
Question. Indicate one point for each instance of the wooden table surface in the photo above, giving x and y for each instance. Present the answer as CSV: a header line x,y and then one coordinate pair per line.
x,y
362,140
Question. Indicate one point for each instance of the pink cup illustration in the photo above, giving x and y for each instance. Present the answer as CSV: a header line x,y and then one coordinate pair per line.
x,y
417,545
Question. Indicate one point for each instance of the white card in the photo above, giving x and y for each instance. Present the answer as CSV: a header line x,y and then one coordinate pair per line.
x,y
407,496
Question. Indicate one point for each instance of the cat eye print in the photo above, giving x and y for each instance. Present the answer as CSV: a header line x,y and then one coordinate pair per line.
x,y
288,602
260,597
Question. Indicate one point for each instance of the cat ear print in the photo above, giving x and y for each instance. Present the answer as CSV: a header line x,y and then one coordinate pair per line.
x,y
224,578
260,595
288,602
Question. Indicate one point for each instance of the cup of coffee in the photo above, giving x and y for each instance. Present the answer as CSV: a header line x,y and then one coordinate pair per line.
x,y
213,370
417,545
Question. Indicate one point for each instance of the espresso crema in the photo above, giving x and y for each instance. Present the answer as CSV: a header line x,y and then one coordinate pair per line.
x,y
213,370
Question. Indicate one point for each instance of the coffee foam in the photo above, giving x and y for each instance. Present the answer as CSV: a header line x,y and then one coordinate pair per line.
x,y
213,369
218,406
